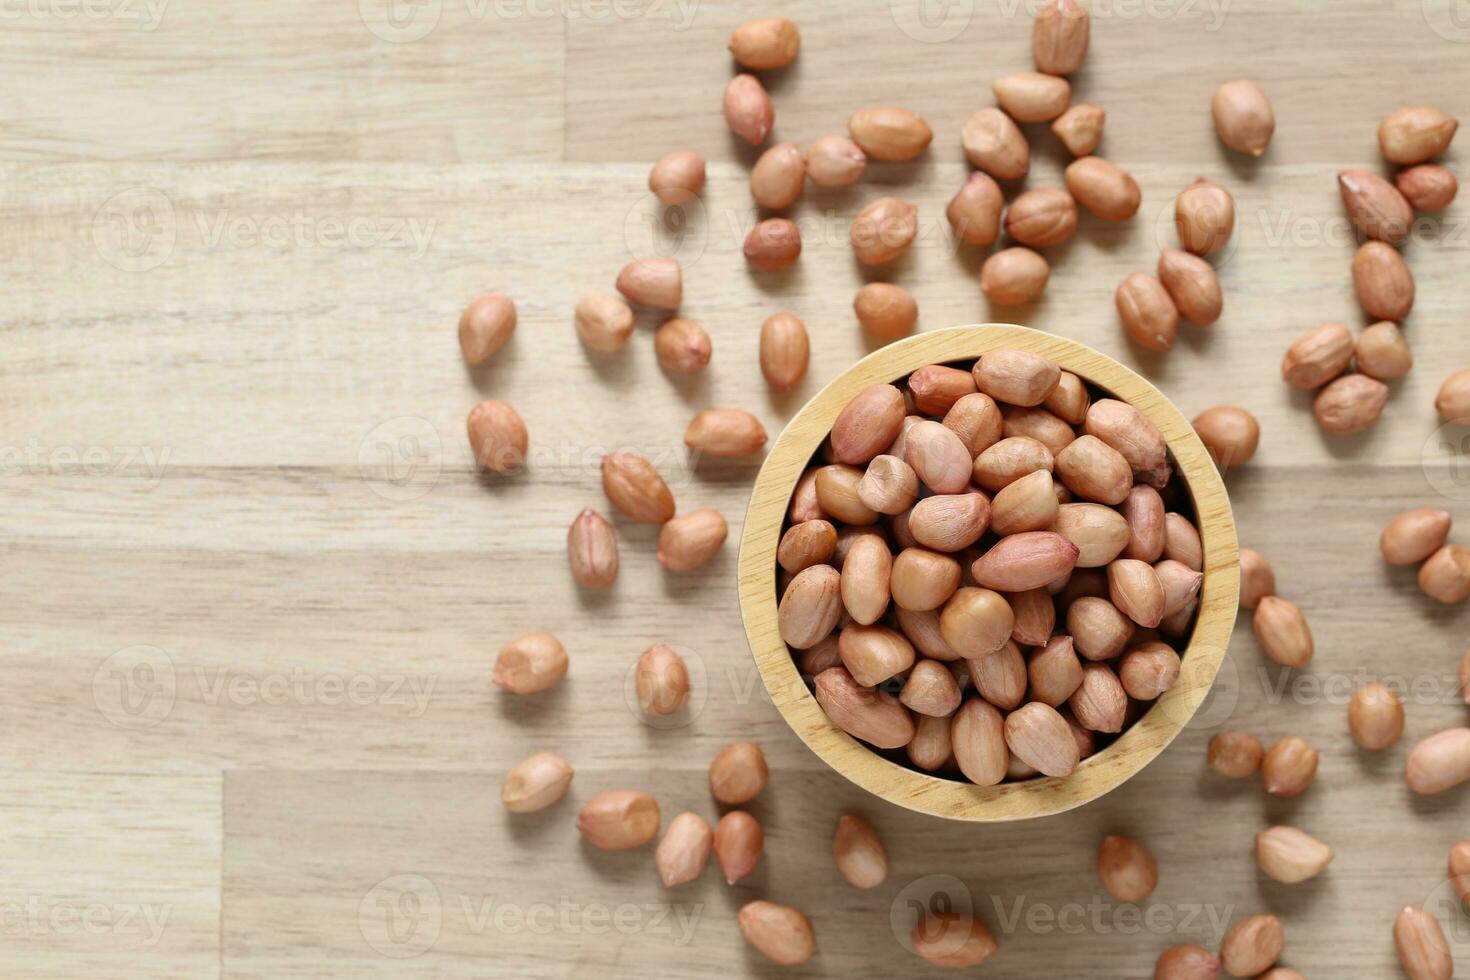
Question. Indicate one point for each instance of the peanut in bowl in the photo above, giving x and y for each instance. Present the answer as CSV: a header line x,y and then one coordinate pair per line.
x,y
902,689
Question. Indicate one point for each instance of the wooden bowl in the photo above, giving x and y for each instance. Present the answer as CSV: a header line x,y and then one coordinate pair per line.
x,y
955,799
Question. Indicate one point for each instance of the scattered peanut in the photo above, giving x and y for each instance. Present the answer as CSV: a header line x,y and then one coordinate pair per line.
x,y
1041,217
835,161
1014,276
1382,352
993,142
1383,282
535,783
771,42
1080,128
592,551
1376,716
619,819
1414,535
1439,762
1204,217
1428,187
859,853
498,436
677,177
784,351
748,109
1193,286
1231,434
1289,767
890,134
1127,869
1291,856
485,327
1257,578
1032,97
739,843
781,933
530,664
1423,950
1415,134
1243,117
953,940
1236,755
1445,575
682,346
684,851
885,310
1149,315
1186,962
1252,946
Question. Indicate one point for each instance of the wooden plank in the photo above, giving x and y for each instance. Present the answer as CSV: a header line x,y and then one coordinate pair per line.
x,y
110,874
368,80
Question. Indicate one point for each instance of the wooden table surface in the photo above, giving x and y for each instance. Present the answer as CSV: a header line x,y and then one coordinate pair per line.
x,y
254,584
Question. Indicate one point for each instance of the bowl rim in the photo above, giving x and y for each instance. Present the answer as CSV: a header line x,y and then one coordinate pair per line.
x,y
1149,735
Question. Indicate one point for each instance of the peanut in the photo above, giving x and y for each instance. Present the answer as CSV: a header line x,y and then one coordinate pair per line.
x,y
1041,217
1149,670
890,134
1382,352
1282,631
952,940
689,540
835,161
1350,404
619,819
1231,434
530,664
1099,704
773,245
993,142
977,733
1291,856
865,713
739,844
682,346
1039,737
931,689
662,681
635,488
1149,315
976,622
738,773
1204,217
603,321
1375,206
810,607
1080,128
974,212
1423,951
653,282
1252,946
1236,755
1317,356
1452,401
1414,535
1059,37
684,851
1415,134
778,177
859,853
781,933
923,580
1192,284
1445,575
1243,117
784,351
1383,282
676,177
592,551
1014,276
1186,962
770,42
867,424
1054,672
1028,560
883,231
1032,97
1103,188
727,432
748,109
1127,869
1289,767
1257,578
885,310
485,327
1376,716
1439,762
535,783
498,436
1428,187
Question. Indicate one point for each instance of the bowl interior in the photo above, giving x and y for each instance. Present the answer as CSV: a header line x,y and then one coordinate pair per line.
x,y
938,795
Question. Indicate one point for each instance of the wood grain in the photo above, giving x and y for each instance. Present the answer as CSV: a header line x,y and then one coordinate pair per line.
x,y
237,487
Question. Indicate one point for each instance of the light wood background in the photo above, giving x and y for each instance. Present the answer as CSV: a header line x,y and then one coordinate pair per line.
x,y
254,587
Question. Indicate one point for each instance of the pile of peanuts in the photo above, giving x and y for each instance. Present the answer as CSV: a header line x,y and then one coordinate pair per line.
x,y
1383,212
983,569
984,549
